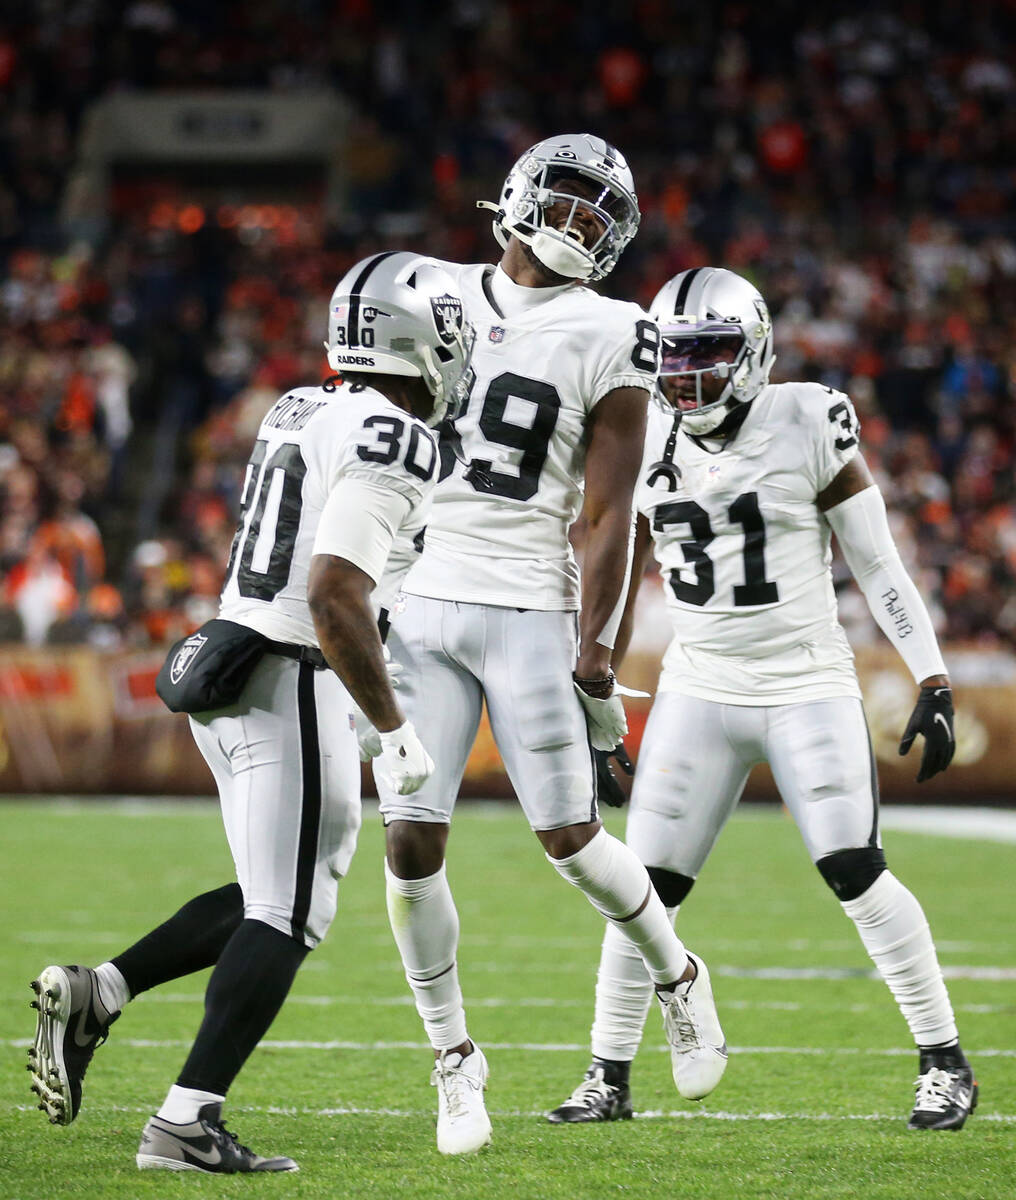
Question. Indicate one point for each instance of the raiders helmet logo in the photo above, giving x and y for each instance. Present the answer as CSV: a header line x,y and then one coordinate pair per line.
x,y
447,317
185,656
765,321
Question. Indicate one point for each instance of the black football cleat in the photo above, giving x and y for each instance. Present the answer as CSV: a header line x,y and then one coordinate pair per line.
x,y
202,1145
946,1096
594,1100
72,1023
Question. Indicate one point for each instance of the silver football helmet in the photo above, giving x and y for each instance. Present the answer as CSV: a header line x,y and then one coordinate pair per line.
x,y
531,189
713,322
400,313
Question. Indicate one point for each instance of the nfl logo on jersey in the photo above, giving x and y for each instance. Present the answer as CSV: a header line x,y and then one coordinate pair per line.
x,y
496,333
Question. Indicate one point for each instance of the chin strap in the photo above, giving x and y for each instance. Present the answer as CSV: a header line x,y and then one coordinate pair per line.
x,y
556,254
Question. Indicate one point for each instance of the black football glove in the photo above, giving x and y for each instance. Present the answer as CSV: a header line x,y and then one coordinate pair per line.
x,y
608,788
932,717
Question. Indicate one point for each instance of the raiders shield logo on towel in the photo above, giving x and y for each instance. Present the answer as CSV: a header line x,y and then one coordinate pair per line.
x,y
185,656
210,668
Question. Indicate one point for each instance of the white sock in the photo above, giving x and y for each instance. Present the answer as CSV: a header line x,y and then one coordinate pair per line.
x,y
426,929
624,992
182,1105
895,933
616,883
113,990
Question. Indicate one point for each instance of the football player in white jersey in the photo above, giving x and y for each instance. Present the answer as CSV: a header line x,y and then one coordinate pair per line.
x,y
337,473
743,483
494,609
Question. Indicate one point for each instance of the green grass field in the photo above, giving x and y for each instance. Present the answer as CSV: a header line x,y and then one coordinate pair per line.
x,y
813,1104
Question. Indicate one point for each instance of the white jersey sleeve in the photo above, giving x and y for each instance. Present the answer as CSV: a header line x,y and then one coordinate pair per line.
x,y
359,522
311,441
498,530
836,434
629,359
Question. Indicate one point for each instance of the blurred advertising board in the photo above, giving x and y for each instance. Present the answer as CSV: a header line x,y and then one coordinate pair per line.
x,y
78,720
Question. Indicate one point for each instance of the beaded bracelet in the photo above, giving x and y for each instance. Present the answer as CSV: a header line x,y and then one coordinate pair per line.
x,y
604,683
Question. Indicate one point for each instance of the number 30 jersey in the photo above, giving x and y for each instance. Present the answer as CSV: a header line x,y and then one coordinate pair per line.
x,y
498,529
745,551
309,440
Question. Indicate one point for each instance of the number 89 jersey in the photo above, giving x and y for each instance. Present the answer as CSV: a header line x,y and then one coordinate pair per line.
x,y
307,442
498,529
745,551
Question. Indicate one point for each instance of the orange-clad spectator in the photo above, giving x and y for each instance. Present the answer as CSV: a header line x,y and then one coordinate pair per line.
x,y
40,591
73,540
622,72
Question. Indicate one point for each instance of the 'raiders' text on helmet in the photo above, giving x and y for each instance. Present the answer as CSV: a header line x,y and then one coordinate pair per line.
x,y
400,313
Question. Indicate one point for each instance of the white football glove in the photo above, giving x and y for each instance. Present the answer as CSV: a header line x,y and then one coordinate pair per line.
x,y
393,668
605,719
403,764
368,740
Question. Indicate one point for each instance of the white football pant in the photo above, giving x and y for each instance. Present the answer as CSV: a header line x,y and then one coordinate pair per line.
x,y
696,756
693,764
286,765
455,655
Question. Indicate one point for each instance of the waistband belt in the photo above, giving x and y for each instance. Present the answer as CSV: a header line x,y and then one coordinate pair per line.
x,y
303,654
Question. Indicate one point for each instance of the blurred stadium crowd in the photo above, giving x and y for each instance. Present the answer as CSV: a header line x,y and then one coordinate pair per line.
x,y
857,167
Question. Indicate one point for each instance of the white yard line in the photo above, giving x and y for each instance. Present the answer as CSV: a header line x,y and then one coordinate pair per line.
x,y
680,1114
983,974
407,1001
534,1047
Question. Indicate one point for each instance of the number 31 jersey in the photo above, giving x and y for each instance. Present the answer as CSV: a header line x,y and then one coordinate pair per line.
x,y
498,529
309,440
745,552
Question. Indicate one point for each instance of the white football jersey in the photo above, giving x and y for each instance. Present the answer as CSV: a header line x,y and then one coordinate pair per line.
x,y
744,549
498,529
308,441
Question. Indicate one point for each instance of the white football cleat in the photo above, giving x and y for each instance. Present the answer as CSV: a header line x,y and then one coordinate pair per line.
x,y
462,1122
698,1049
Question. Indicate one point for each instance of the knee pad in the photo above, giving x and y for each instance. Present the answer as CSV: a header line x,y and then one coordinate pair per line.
x,y
670,887
851,872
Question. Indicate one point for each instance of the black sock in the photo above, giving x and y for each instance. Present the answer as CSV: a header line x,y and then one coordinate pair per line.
x,y
248,987
189,941
946,1057
614,1072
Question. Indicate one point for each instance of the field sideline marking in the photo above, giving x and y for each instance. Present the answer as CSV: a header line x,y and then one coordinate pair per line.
x,y
980,824
649,1114
952,821
537,1047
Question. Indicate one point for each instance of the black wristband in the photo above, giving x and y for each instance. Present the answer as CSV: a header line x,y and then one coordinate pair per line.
x,y
604,684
